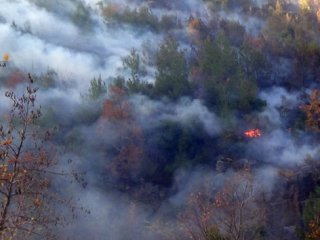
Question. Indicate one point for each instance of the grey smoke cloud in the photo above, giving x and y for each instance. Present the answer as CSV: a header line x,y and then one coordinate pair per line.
x,y
49,40
252,24
279,148
150,112
276,98
52,40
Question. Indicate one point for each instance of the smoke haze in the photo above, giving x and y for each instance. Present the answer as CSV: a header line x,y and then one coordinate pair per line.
x,y
78,45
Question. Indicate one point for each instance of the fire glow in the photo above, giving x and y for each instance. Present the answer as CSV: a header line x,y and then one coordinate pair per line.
x,y
253,133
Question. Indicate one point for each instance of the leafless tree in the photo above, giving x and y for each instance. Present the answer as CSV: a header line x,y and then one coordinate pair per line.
x,y
234,212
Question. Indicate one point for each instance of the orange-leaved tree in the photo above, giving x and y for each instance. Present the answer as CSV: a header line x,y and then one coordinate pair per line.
x,y
311,217
118,112
312,111
198,221
27,159
240,209
235,212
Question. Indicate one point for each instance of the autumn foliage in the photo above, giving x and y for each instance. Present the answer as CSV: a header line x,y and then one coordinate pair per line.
x,y
27,159
313,232
15,78
117,106
312,111
117,112
311,217
195,29
234,212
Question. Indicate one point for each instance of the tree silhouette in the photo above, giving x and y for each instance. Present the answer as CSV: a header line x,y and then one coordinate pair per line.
x,y
172,73
312,111
234,212
27,199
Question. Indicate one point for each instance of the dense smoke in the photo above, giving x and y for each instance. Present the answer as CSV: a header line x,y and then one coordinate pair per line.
x,y
76,55
42,35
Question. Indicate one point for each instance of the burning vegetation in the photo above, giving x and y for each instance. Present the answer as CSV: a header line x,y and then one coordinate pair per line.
x,y
163,133
253,133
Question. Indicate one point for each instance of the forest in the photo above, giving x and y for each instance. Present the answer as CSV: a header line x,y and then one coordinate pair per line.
x,y
160,120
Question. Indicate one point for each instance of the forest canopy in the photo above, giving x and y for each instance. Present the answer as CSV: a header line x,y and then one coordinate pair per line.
x,y
160,120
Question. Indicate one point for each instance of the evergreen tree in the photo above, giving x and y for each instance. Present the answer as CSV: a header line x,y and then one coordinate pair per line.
x,y
172,71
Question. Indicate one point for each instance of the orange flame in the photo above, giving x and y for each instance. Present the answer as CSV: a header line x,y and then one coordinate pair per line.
x,y
253,133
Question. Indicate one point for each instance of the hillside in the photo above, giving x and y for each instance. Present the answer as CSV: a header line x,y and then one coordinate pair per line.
x,y
158,119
